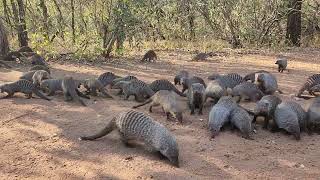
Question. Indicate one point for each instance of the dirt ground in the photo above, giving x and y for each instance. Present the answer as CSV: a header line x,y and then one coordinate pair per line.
x,y
39,139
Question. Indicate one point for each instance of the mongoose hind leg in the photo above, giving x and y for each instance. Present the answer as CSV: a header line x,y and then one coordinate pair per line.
x,y
8,96
29,95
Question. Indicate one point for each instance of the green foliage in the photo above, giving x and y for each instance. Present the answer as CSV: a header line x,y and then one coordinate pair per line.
x,y
192,25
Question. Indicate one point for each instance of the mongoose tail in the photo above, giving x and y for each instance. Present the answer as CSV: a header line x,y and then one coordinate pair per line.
x,y
142,104
110,127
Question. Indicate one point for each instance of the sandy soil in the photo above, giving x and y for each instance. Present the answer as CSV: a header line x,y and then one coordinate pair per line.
x,y
39,139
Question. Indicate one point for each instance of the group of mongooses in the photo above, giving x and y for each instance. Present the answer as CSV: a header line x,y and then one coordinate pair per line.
x,y
226,91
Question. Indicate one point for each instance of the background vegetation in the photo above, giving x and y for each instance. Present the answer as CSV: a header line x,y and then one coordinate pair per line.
x,y
119,26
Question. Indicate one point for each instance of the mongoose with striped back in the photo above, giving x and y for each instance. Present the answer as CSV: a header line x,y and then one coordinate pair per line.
x,y
247,91
267,83
291,117
220,114
134,125
139,89
311,82
94,85
168,101
23,86
163,84
241,119
107,78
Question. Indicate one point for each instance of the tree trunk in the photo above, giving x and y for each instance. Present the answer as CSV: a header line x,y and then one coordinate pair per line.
x,y
45,18
61,22
20,23
4,43
294,22
73,22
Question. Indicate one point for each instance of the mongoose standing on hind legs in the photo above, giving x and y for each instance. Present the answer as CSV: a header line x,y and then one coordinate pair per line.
x,y
134,125
70,90
23,86
150,56
163,84
179,76
166,99
196,97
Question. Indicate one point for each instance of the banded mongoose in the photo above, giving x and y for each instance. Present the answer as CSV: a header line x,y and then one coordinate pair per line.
x,y
311,81
282,64
203,56
266,107
94,85
36,59
107,78
168,101
252,76
247,91
134,125
267,83
241,119
196,97
230,80
150,56
220,114
28,75
2,63
40,67
40,75
314,116
181,74
291,117
23,86
315,89
139,89
126,78
163,84
187,82
51,86
215,91
70,90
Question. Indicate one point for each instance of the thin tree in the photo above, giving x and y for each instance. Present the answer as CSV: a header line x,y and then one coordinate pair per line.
x,y
4,43
293,34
